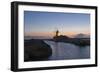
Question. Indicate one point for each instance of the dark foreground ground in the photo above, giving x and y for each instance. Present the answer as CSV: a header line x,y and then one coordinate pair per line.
x,y
35,49
38,50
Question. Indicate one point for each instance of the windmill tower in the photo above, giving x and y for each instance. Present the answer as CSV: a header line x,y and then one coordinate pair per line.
x,y
57,33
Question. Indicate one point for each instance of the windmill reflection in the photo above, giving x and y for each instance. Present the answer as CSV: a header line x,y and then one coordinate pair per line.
x,y
57,52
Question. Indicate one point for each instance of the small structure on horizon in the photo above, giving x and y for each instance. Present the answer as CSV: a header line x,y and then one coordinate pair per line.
x,y
57,33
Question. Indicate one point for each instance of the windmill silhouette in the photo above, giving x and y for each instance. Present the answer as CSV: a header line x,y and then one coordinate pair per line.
x,y
57,33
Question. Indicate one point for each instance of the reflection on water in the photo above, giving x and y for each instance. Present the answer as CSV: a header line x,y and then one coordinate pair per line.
x,y
62,51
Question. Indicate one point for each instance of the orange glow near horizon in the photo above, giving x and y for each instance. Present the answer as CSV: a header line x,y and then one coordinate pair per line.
x,y
72,34
51,34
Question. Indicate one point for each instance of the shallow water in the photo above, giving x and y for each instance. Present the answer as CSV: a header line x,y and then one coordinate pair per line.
x,y
62,51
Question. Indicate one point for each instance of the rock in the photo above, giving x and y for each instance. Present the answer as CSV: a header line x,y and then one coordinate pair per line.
x,y
36,50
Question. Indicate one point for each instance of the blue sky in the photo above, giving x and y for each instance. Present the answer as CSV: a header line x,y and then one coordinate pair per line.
x,y
45,23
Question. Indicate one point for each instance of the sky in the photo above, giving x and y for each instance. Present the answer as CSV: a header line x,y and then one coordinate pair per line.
x,y
44,24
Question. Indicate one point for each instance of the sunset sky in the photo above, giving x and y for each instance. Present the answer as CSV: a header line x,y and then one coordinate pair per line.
x,y
44,24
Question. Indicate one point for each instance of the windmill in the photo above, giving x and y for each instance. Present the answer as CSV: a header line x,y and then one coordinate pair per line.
x,y
57,33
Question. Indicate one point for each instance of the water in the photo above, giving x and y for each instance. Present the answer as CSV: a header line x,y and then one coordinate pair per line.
x,y
62,51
